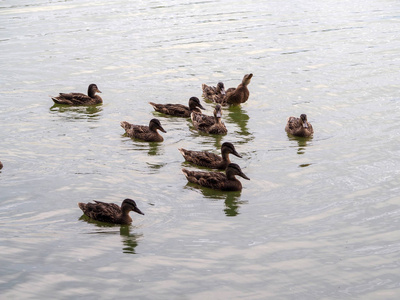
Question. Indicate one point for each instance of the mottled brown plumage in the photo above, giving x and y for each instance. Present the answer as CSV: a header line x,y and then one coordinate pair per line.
x,y
80,99
179,110
209,124
145,133
240,94
299,126
110,212
214,93
217,180
209,159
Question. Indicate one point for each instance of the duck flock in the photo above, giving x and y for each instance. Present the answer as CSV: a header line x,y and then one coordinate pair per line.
x,y
113,213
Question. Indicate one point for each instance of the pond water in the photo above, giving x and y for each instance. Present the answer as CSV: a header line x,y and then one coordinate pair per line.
x,y
319,218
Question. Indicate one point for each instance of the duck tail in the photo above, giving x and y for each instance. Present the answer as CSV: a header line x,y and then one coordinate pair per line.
x,y
125,125
153,104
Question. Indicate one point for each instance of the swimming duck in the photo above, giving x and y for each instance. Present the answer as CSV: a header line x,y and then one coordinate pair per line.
x,y
218,180
80,99
240,94
146,133
209,159
110,212
214,93
179,110
299,126
209,124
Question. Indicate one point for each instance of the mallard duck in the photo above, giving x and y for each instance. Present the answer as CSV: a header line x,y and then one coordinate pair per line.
x,y
240,94
209,124
179,110
214,93
209,159
110,212
299,126
146,133
218,180
80,99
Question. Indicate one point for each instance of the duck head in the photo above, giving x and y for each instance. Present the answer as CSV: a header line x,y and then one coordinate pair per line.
x,y
234,169
218,112
195,102
130,205
229,148
246,79
221,88
92,90
303,119
155,124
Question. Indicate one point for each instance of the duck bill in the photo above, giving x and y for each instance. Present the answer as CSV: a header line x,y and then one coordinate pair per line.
x,y
201,107
137,210
244,176
219,114
98,91
162,129
305,124
236,154
223,92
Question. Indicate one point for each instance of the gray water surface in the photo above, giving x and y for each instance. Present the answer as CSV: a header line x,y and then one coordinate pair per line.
x,y
319,218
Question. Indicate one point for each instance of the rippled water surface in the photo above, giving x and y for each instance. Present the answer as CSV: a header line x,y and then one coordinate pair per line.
x,y
319,218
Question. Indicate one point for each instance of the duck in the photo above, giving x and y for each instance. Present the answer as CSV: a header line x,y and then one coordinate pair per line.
x,y
110,212
1,165
214,93
209,159
209,124
299,126
218,180
236,96
179,110
78,98
142,132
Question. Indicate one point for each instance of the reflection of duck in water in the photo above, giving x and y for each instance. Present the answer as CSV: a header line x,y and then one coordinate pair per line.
x,y
214,93
78,98
110,212
209,124
130,240
299,126
71,113
209,159
179,110
146,133
217,180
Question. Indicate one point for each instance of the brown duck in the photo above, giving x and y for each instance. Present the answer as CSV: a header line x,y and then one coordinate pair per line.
x,y
110,212
214,93
218,180
209,124
240,94
299,126
145,133
179,110
80,99
209,159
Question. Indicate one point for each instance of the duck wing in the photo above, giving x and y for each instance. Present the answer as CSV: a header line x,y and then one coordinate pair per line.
x,y
203,158
101,211
178,110
214,180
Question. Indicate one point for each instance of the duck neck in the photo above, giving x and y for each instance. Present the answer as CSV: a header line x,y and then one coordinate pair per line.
x,y
225,156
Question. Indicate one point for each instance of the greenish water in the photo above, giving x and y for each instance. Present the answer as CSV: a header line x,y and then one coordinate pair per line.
x,y
319,218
